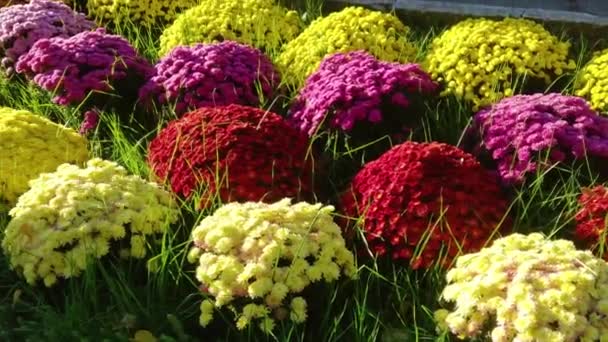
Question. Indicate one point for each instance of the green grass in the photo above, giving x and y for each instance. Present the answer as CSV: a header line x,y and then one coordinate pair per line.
x,y
114,298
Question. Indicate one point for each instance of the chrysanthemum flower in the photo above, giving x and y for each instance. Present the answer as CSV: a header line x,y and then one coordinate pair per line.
x,y
527,288
354,87
480,60
259,23
257,258
239,153
212,75
592,219
351,29
75,214
140,12
88,62
592,81
425,203
30,145
517,130
23,25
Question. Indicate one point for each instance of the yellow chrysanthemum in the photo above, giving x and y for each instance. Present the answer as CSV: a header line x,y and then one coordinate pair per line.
x,y
528,288
75,214
353,28
592,82
260,23
30,145
141,12
267,254
482,60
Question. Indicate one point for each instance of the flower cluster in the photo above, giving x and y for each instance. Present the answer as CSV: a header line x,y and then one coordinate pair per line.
x,y
74,214
212,75
260,23
89,61
355,86
428,196
30,145
351,29
481,60
515,130
236,152
592,218
592,82
267,254
530,289
146,13
23,25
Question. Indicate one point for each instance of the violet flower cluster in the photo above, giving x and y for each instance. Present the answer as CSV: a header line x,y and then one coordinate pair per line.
x,y
89,61
212,75
515,130
23,25
355,86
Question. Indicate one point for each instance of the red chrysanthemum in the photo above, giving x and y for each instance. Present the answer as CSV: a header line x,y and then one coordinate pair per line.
x,y
592,218
237,152
421,202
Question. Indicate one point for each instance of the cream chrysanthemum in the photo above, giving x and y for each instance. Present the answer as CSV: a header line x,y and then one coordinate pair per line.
x,y
266,255
528,288
76,214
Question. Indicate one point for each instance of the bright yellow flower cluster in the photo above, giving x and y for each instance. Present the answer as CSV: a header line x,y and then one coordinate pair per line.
x,y
482,60
30,145
592,82
530,289
353,28
260,23
267,254
141,12
73,215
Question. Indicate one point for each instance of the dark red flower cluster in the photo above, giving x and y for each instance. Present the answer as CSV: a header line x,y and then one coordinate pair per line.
x,y
592,218
423,202
237,152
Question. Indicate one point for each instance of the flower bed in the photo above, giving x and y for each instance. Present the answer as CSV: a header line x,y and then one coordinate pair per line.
x,y
351,29
424,203
212,75
257,258
516,131
235,153
483,60
23,25
525,287
94,61
31,145
260,23
356,88
75,214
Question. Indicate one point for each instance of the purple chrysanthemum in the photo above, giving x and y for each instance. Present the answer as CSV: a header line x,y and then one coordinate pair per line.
x,y
355,86
23,25
515,130
89,61
212,75
90,121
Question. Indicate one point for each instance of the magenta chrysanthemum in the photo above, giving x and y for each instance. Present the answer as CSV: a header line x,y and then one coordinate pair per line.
x,y
89,61
355,86
515,130
212,75
23,25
